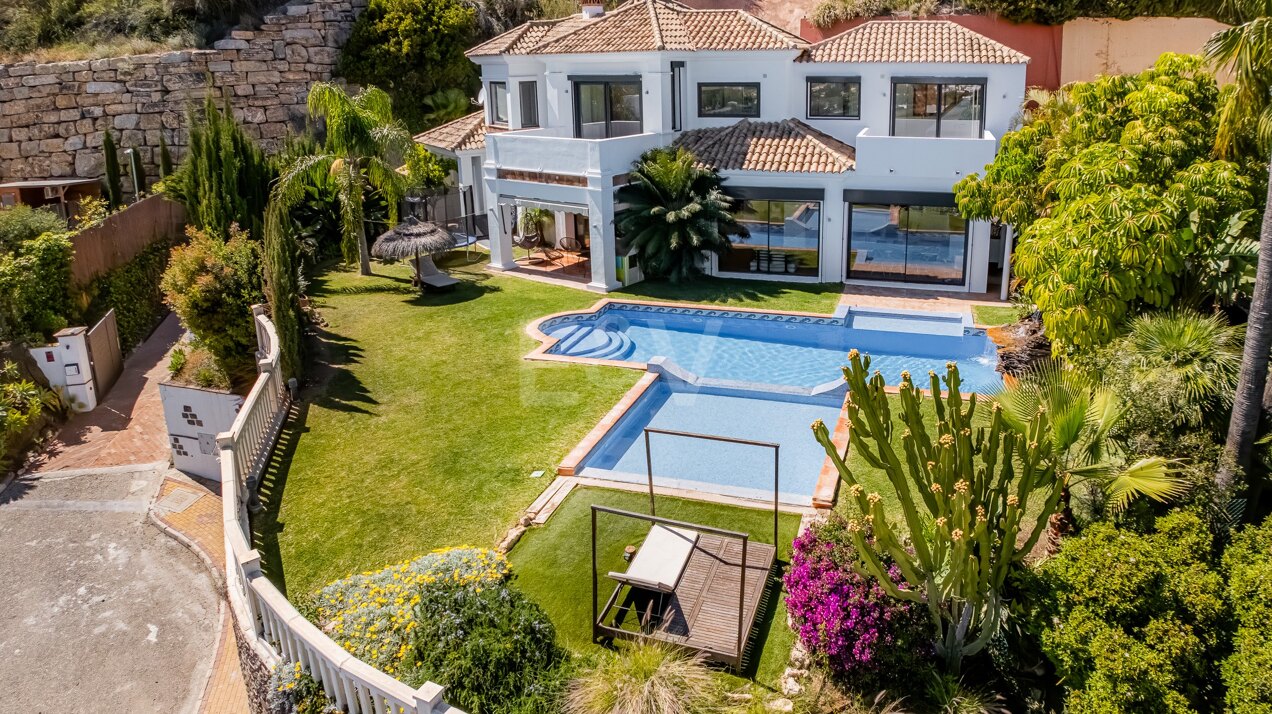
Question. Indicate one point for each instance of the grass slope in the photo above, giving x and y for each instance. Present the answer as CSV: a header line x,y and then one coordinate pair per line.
x,y
428,422
552,564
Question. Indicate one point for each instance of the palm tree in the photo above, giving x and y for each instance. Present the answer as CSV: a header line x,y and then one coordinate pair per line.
x,y
446,105
1246,50
1083,417
363,148
1196,356
676,210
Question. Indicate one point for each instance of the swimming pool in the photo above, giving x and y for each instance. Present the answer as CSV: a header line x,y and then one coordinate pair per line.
x,y
780,349
738,470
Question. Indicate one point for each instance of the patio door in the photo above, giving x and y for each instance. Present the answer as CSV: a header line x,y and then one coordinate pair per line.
x,y
605,108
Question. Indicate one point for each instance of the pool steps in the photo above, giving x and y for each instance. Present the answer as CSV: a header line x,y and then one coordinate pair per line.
x,y
601,339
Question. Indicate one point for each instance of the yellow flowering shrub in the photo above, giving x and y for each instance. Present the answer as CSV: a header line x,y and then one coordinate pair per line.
x,y
372,614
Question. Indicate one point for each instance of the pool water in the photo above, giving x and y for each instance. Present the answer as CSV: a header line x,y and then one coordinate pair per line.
x,y
775,349
738,470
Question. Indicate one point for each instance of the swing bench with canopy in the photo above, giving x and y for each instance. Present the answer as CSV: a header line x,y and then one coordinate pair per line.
x,y
689,585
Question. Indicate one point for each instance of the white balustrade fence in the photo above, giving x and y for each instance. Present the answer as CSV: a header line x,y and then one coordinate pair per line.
x,y
275,630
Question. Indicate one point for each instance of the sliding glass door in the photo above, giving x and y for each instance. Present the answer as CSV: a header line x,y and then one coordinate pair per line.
x,y
950,111
606,109
785,239
912,244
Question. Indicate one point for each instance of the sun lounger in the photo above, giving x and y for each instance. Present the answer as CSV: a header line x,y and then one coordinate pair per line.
x,y
430,276
661,560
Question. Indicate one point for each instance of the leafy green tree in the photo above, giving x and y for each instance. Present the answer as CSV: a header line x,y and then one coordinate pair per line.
x,y
114,185
35,279
974,500
363,149
675,212
22,223
1113,186
1246,50
212,284
282,286
412,49
1133,623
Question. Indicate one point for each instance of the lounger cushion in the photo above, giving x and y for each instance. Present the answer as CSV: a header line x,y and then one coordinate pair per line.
x,y
661,559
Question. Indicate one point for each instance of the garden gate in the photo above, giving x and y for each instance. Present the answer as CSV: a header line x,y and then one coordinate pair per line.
x,y
104,355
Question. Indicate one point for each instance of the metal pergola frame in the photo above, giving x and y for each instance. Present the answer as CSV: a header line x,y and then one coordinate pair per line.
x,y
601,630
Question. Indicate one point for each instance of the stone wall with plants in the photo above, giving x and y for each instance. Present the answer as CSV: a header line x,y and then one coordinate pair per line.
x,y
53,116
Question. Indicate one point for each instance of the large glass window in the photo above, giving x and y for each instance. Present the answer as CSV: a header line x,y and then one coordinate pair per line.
x,y
498,102
529,103
913,244
834,98
938,110
718,99
677,95
604,109
785,239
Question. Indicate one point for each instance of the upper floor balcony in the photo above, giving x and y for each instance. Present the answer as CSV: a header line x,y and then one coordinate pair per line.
x,y
557,151
880,154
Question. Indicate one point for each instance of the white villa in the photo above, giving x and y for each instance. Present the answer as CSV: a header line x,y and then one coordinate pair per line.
x,y
846,151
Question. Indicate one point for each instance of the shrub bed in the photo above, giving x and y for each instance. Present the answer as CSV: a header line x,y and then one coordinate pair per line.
x,y
450,617
846,619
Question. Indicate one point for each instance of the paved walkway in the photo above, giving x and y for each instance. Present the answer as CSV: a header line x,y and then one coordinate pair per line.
x,y
932,300
127,427
86,522
193,510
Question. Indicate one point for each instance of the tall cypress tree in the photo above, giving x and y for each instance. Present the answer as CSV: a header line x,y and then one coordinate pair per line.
x,y
114,186
165,158
225,177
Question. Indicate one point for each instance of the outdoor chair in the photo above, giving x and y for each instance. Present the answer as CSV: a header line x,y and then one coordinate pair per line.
x,y
528,243
658,566
571,245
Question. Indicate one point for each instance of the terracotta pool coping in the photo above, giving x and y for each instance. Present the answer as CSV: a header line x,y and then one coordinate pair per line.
x,y
607,422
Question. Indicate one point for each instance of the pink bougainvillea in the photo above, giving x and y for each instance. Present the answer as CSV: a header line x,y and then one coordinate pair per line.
x,y
848,619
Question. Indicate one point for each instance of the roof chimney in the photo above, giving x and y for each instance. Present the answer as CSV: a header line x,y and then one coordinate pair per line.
x,y
593,8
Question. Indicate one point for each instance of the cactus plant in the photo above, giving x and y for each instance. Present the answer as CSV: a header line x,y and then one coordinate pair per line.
x,y
967,490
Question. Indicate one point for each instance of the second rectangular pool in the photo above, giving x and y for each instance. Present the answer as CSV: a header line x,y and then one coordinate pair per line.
x,y
738,470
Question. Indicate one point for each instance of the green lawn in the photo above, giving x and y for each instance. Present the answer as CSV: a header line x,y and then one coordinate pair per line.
x,y
552,563
427,422
994,314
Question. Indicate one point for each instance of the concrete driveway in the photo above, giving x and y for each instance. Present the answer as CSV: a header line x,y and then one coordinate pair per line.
x,y
99,610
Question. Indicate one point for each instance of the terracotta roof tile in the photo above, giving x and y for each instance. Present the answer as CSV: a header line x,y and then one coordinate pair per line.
x,y
912,41
787,146
643,26
467,133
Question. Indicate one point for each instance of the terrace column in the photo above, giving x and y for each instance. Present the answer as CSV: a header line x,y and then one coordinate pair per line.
x,y
600,216
500,220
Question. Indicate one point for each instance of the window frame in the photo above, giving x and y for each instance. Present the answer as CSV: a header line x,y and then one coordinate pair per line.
x,y
747,196
534,123
941,83
677,95
758,100
844,79
607,81
494,104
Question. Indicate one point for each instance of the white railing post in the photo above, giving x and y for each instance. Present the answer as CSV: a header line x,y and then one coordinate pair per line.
x,y
428,697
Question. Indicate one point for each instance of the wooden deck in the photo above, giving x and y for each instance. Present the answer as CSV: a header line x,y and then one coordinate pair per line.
x,y
702,613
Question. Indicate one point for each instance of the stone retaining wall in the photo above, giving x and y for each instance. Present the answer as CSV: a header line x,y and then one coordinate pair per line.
x,y
53,115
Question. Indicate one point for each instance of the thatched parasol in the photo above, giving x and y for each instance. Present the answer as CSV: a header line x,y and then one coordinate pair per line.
x,y
412,238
